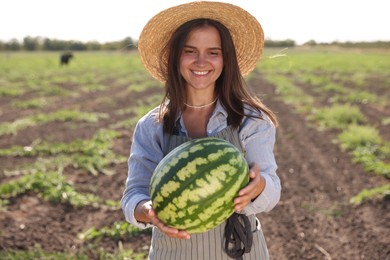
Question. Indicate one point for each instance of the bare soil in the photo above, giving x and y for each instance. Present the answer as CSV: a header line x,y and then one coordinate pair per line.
x,y
312,221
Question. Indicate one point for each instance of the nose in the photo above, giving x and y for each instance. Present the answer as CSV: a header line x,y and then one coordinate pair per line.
x,y
201,59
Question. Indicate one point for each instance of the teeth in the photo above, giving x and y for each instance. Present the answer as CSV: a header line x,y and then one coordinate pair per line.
x,y
200,72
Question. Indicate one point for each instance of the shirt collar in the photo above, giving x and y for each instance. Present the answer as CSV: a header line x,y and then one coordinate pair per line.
x,y
219,109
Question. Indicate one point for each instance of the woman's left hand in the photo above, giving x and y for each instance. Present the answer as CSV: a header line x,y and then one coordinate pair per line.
x,y
252,190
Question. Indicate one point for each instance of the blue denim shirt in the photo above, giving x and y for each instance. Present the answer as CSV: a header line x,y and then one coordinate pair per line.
x,y
257,136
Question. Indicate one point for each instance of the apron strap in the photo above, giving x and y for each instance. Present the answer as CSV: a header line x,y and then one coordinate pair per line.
x,y
238,236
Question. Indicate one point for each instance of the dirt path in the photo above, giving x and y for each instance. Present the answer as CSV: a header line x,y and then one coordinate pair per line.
x,y
313,219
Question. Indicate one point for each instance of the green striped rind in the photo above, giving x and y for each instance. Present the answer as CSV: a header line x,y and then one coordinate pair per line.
x,y
193,187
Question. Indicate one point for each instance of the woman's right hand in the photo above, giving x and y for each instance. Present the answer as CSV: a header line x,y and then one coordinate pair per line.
x,y
146,214
169,231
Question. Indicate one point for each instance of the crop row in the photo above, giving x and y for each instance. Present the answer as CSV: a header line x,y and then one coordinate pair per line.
x,y
343,91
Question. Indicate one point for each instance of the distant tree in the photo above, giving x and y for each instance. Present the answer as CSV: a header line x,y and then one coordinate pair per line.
x,y
93,46
335,43
310,43
77,46
284,43
13,45
30,43
128,44
54,45
116,45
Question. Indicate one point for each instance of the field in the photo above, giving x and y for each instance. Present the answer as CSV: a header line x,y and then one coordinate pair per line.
x,y
65,135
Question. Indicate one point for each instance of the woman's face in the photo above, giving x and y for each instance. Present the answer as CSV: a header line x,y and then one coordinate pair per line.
x,y
201,61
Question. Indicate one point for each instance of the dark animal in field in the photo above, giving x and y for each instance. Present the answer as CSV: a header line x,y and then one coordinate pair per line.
x,y
65,58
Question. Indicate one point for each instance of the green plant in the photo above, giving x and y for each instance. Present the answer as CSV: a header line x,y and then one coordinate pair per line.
x,y
338,116
68,115
14,127
373,160
290,93
332,212
93,155
50,186
10,92
386,121
333,87
3,205
357,97
374,193
57,116
355,136
32,103
93,87
117,231
38,253
367,148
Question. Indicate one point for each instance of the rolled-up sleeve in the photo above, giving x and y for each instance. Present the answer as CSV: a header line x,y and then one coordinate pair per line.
x,y
145,153
258,137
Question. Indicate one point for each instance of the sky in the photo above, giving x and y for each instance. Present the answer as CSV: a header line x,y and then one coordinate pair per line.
x,y
114,20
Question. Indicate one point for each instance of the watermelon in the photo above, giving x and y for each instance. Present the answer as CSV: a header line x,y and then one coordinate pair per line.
x,y
193,186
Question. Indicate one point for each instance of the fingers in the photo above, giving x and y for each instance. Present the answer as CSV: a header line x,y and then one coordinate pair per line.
x,y
251,191
254,179
169,231
254,170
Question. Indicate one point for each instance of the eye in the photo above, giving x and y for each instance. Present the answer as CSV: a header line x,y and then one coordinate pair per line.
x,y
189,51
215,52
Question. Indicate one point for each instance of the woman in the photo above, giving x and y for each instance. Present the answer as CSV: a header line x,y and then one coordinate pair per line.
x,y
201,51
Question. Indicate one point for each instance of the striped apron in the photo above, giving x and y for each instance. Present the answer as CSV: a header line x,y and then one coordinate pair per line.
x,y
207,245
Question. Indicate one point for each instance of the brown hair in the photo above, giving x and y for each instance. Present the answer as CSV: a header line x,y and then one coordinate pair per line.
x,y
230,86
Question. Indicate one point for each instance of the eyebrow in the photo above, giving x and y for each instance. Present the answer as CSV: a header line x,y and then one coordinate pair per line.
x,y
193,47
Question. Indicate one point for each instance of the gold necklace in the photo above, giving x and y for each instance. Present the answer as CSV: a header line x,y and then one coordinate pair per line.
x,y
202,106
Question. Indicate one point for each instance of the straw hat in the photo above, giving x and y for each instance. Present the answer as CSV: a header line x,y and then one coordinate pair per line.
x,y
247,34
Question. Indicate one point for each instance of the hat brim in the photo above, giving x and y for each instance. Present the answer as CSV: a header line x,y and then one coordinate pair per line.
x,y
246,32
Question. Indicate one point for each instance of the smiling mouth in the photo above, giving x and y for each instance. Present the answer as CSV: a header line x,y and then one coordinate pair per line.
x,y
200,73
